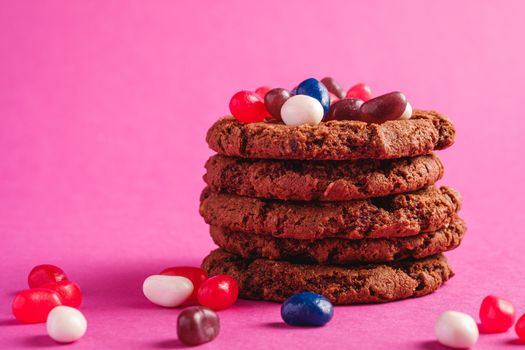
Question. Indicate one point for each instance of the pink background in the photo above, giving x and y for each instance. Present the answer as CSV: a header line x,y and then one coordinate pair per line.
x,y
104,107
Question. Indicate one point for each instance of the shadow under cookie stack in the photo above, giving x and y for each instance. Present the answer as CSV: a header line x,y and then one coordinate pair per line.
x,y
345,209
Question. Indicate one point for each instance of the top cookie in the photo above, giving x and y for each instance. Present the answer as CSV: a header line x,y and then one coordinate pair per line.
x,y
334,140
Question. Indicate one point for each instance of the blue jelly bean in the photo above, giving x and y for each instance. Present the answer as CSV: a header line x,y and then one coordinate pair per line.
x,y
307,309
314,88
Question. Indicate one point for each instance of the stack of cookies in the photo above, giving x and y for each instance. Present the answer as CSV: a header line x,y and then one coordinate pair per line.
x,y
345,209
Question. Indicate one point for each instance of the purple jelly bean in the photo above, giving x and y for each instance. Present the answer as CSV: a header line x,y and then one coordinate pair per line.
x,y
333,86
274,100
197,325
345,109
383,108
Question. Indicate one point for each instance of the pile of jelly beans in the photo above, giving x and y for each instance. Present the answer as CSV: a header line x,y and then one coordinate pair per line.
x,y
313,101
186,286
54,299
459,330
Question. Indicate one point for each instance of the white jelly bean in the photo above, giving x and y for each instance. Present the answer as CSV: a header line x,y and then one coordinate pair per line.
x,y
302,109
167,291
66,324
456,330
407,113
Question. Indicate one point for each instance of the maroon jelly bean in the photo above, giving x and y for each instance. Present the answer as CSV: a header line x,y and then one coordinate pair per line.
x,y
197,325
333,87
385,107
345,109
274,100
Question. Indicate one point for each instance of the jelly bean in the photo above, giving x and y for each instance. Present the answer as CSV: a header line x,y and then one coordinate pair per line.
x,y
307,309
390,106
33,305
66,324
360,91
195,274
42,274
345,109
197,325
496,314
167,291
456,330
218,292
520,327
69,292
302,109
248,107
274,101
314,88
262,91
333,87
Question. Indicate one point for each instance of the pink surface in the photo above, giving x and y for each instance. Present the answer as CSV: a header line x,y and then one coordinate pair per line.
x,y
104,106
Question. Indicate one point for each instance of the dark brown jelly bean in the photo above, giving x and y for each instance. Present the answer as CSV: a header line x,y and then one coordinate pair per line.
x,y
197,325
385,107
333,87
274,100
345,109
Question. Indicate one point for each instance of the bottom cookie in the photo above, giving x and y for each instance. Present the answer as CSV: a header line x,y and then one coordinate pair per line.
x,y
262,279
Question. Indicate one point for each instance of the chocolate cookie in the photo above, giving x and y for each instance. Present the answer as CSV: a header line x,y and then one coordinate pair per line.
x,y
333,140
270,280
407,214
321,180
339,251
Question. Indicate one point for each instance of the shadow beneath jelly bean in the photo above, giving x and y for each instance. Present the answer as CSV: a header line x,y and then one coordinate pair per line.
x,y
41,341
10,322
282,325
277,325
514,341
432,345
169,344
142,303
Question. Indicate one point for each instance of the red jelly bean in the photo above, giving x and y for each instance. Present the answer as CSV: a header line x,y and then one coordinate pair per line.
x,y
360,91
196,275
218,292
262,91
69,292
520,327
496,314
274,100
345,109
389,106
248,107
333,87
33,305
42,274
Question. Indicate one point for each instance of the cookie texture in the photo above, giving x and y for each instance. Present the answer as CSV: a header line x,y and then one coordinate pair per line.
x,y
337,251
270,280
321,180
406,214
333,140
